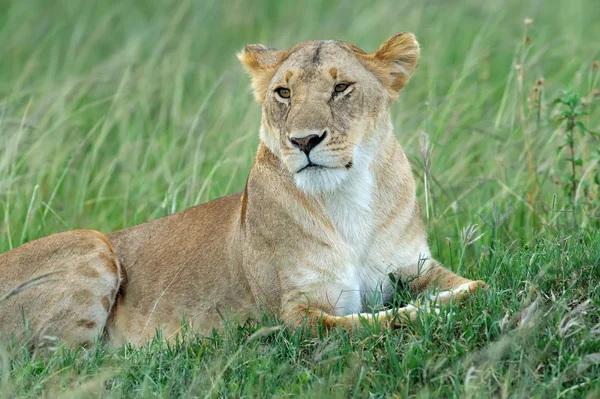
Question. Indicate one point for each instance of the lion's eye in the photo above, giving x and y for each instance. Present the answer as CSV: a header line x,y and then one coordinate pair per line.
x,y
340,87
283,92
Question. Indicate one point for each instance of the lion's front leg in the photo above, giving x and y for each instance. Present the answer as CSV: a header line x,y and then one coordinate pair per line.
x,y
444,285
322,316
317,319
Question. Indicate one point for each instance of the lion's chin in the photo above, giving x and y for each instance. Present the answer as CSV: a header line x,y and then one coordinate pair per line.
x,y
317,180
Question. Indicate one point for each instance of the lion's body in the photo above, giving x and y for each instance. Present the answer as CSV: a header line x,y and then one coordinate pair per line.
x,y
310,244
178,267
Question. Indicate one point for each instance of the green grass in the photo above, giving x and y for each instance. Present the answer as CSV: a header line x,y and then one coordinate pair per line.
x,y
115,113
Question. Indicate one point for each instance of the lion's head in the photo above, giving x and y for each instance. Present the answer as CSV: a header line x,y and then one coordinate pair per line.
x,y
326,104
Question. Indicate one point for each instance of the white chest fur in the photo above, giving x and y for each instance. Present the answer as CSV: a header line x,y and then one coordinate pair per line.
x,y
351,211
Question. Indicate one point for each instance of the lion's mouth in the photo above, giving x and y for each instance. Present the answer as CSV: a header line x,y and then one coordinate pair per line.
x,y
310,165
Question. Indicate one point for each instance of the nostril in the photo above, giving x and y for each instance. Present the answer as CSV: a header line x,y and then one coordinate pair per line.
x,y
297,142
307,143
315,140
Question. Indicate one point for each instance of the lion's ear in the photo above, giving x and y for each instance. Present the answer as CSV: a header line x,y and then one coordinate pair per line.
x,y
261,63
395,61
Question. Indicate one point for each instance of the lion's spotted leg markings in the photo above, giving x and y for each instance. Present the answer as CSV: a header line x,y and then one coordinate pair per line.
x,y
91,287
73,306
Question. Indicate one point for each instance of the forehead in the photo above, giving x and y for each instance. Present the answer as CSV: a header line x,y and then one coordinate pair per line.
x,y
315,55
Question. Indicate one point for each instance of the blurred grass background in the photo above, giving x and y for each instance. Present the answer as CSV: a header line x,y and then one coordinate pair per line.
x,y
113,113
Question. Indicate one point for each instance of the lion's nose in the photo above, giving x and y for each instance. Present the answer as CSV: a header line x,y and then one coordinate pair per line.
x,y
307,143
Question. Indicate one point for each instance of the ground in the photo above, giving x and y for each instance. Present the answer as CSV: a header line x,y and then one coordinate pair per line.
x,y
114,113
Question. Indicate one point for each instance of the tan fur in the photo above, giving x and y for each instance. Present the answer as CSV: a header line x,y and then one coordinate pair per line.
x,y
313,244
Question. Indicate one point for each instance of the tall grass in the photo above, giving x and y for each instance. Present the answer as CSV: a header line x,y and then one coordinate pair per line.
x,y
114,113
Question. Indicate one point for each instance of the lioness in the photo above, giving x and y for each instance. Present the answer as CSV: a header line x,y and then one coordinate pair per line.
x,y
328,213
